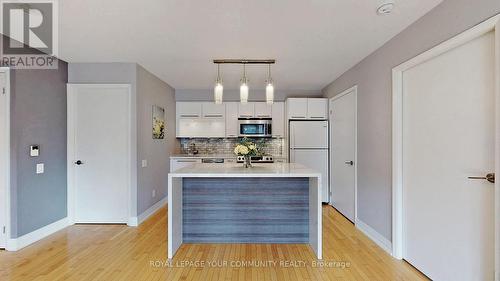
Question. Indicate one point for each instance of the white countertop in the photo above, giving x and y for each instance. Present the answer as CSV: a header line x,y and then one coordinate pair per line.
x,y
237,170
181,155
225,156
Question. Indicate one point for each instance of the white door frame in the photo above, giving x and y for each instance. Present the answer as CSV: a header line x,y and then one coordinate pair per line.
x,y
489,25
354,90
6,157
71,90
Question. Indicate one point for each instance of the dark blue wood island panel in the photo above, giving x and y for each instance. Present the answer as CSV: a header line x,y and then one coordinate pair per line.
x,y
245,210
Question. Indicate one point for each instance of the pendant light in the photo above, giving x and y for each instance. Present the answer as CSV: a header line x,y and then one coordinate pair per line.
x,y
269,88
244,87
218,88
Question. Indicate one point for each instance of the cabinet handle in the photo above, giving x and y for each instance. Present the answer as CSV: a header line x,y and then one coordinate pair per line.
x,y
298,117
267,115
190,115
246,115
213,115
187,161
317,117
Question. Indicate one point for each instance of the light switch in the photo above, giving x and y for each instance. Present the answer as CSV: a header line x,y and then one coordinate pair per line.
x,y
40,168
34,150
144,163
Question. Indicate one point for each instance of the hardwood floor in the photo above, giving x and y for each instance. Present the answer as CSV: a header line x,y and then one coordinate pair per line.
x,y
116,252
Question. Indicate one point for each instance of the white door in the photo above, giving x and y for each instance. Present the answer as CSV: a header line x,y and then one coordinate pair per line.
x,y
316,159
343,153
449,135
309,134
99,116
4,135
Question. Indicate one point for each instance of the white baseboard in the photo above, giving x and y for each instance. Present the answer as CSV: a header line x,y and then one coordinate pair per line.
x,y
376,237
136,221
132,221
18,243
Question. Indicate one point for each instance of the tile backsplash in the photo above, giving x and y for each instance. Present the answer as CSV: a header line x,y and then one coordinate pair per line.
x,y
270,146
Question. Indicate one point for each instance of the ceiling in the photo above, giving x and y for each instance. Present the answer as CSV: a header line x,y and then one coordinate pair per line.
x,y
314,41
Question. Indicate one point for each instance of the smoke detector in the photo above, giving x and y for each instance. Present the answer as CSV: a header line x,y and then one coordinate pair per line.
x,y
385,8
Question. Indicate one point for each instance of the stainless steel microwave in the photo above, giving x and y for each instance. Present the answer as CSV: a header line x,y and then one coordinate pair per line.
x,y
255,128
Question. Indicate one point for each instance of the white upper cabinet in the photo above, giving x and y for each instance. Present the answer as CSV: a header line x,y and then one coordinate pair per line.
x,y
212,110
297,108
317,108
188,109
263,110
307,108
201,128
200,119
232,119
246,110
278,115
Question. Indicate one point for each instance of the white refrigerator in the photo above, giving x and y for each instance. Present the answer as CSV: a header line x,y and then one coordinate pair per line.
x,y
309,146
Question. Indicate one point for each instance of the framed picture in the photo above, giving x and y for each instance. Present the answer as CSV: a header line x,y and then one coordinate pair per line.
x,y
158,122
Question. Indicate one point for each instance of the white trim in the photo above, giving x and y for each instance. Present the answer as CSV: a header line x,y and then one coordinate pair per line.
x,y
6,158
489,25
376,237
37,235
71,149
497,149
136,221
353,90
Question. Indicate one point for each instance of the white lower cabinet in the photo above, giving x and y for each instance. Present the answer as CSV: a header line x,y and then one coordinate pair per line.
x,y
177,163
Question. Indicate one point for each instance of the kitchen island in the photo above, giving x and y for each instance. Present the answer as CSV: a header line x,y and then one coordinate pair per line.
x,y
226,203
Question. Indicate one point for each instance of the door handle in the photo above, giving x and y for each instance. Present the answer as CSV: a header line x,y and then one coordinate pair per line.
x,y
349,162
489,177
79,162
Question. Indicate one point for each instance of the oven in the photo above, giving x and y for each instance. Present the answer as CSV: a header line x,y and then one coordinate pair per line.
x,y
255,128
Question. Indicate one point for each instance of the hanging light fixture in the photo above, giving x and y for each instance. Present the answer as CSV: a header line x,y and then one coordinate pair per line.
x,y
218,88
269,88
244,87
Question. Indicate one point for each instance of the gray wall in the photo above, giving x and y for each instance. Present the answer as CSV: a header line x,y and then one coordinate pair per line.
x,y
38,116
153,91
234,95
374,80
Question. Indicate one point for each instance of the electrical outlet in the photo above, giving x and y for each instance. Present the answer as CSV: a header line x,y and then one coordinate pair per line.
x,y
153,194
40,168
144,163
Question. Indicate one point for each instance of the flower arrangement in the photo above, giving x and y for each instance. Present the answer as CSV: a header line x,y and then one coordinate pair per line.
x,y
158,128
247,149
